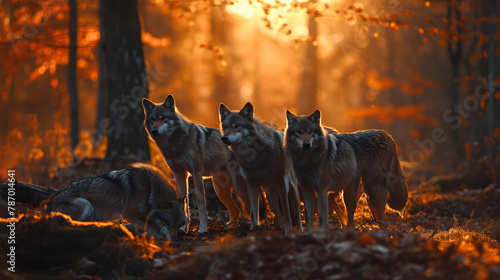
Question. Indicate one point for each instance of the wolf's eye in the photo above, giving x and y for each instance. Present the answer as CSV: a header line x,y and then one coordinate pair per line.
x,y
152,120
310,130
298,132
236,126
162,118
224,126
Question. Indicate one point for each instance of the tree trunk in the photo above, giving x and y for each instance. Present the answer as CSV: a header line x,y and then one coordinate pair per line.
x,y
103,101
73,96
455,54
307,95
126,81
493,104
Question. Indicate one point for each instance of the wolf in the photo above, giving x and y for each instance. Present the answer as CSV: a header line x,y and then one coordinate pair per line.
x,y
198,150
260,153
328,161
140,193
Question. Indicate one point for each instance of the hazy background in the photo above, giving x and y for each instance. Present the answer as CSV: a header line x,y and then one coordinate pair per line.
x,y
407,67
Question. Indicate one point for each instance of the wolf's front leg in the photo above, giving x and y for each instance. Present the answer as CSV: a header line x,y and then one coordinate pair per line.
x,y
222,187
295,199
239,185
253,193
180,178
332,202
273,198
351,201
287,218
323,207
308,192
202,205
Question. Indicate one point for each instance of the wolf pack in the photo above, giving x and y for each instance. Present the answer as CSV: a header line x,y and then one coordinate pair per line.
x,y
250,161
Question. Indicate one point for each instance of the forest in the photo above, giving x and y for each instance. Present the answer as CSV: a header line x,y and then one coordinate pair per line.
x,y
74,73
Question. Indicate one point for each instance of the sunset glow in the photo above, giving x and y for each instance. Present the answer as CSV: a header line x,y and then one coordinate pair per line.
x,y
375,123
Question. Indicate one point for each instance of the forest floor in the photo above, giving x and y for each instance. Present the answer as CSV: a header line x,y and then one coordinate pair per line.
x,y
452,234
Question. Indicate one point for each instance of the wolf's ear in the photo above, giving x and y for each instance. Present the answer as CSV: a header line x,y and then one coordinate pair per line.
x,y
223,112
147,105
315,117
247,111
169,102
290,117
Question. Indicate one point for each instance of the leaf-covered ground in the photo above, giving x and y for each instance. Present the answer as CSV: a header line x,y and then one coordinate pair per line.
x,y
442,235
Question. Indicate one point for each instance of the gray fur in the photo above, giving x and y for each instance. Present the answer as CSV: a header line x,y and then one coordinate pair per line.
x,y
195,149
259,150
134,194
339,161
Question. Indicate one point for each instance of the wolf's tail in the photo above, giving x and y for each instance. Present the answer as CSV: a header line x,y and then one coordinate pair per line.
x,y
398,192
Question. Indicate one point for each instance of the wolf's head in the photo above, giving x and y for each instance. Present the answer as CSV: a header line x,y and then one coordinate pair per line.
x,y
160,119
236,125
304,132
171,219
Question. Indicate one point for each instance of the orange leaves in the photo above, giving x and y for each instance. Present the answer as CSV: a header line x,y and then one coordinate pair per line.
x,y
35,154
387,115
489,142
54,82
218,51
153,41
94,36
415,133
94,75
417,78
366,239
467,151
394,26
82,63
414,87
285,29
496,133
408,89
376,82
38,33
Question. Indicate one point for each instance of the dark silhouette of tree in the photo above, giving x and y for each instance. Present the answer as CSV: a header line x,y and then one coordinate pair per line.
x,y
493,101
125,79
102,103
454,48
73,94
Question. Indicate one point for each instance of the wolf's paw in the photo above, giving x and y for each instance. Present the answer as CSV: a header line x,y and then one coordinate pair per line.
x,y
254,227
245,220
202,229
184,228
232,224
234,217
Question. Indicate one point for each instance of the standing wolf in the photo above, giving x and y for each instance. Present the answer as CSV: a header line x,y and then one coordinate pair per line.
x,y
195,149
325,160
263,162
139,193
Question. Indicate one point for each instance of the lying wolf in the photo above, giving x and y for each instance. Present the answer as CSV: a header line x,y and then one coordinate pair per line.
x,y
138,194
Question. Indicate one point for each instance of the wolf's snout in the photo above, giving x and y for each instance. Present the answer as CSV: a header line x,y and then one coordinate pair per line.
x,y
226,141
306,145
155,132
